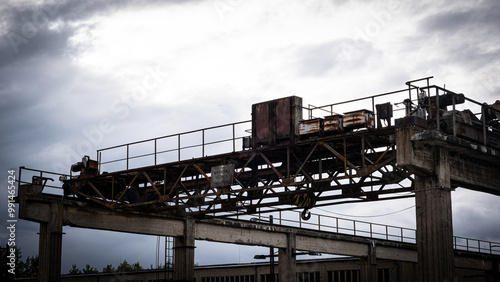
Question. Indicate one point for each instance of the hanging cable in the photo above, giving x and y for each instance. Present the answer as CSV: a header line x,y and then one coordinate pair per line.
x,y
379,215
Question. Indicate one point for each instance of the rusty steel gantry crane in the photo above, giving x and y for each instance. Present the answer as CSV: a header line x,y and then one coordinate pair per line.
x,y
417,147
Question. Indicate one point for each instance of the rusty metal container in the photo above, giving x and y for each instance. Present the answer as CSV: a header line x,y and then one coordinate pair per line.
x,y
333,124
358,119
276,121
311,127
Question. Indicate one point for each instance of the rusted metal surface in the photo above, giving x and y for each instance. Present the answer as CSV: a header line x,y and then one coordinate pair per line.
x,y
276,121
311,127
358,119
261,123
333,124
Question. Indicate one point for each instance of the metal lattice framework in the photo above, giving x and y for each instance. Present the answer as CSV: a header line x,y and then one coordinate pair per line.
x,y
348,166
313,172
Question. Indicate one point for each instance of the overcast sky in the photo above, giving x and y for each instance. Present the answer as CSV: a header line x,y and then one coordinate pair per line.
x,y
142,69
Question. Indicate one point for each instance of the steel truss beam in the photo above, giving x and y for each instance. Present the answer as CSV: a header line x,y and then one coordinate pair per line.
x,y
352,167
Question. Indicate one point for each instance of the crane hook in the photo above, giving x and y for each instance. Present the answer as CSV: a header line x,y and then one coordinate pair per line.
x,y
306,214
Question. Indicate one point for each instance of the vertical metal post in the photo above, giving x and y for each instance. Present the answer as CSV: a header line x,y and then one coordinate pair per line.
x,y
234,138
127,155
373,105
19,179
409,91
179,147
271,255
203,143
483,118
155,151
454,115
363,150
99,160
437,110
98,163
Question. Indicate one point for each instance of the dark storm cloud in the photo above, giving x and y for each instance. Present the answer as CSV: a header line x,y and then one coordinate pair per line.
x,y
467,35
483,17
474,220
44,29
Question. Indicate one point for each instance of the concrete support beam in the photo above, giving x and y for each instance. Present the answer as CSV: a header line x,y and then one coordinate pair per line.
x,y
318,244
287,260
368,265
434,223
471,166
50,247
184,254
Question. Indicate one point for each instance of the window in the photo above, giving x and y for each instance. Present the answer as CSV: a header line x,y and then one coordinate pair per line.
x,y
267,277
238,278
383,274
343,275
308,277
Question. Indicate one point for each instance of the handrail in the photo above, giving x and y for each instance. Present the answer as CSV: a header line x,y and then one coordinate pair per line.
x,y
176,148
39,173
374,230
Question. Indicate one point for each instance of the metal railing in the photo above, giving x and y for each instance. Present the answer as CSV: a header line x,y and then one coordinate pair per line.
x,y
345,226
472,105
26,176
177,145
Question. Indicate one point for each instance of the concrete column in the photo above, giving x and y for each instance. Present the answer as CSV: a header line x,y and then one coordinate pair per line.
x,y
184,254
434,222
287,260
50,247
368,265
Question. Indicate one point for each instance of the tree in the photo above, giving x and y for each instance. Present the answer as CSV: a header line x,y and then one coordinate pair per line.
x,y
74,270
124,267
12,265
28,268
7,260
88,269
108,268
137,266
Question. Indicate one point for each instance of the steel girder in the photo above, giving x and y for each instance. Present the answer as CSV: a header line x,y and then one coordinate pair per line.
x,y
350,167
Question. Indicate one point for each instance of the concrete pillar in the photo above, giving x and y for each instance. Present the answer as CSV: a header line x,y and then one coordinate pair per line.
x,y
184,254
50,247
368,266
494,275
287,260
434,222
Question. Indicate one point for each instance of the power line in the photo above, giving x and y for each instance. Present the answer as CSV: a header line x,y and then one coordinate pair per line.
x,y
379,215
